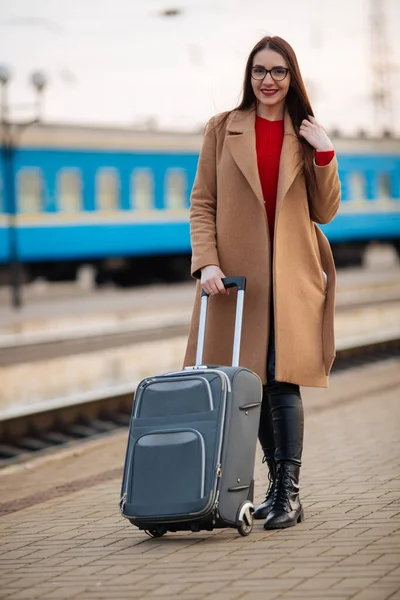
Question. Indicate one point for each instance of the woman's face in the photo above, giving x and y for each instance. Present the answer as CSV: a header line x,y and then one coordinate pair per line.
x,y
267,91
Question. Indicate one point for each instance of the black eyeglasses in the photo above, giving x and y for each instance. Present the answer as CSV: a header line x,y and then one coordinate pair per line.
x,y
277,73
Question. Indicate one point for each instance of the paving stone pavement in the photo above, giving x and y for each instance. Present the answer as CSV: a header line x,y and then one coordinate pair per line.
x,y
76,545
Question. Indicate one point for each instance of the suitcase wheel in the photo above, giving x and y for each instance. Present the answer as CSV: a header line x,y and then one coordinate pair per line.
x,y
157,532
244,521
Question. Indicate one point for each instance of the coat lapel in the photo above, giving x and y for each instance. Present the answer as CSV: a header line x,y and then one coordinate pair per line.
x,y
241,140
290,163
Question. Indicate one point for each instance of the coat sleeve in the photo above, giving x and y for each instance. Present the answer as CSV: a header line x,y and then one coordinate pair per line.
x,y
203,206
325,202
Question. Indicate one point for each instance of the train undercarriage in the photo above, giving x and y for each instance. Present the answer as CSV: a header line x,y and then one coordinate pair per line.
x,y
132,271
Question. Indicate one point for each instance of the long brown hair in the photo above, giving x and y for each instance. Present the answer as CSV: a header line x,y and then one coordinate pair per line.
x,y
296,101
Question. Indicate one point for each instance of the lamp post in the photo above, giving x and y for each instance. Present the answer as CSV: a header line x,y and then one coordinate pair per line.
x,y
39,80
9,130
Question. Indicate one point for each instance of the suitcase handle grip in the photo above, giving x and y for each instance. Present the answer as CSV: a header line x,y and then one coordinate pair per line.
x,y
240,283
230,282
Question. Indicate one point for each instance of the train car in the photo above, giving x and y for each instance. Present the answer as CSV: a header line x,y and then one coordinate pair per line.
x,y
369,171
118,199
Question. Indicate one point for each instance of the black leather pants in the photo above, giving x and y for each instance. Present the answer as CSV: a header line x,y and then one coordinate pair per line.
x,y
281,427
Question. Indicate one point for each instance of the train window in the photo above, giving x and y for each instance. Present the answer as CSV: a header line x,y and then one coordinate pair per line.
x,y
357,187
142,189
107,189
384,186
176,189
30,191
70,190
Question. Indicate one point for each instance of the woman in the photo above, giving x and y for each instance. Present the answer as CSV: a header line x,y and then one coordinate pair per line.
x,y
266,174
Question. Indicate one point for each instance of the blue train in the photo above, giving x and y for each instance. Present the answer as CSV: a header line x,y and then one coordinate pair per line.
x,y
118,199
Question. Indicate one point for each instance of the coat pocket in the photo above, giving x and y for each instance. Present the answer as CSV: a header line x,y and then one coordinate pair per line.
x,y
328,333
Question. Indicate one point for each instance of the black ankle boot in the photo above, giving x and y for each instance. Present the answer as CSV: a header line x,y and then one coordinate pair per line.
x,y
286,509
262,511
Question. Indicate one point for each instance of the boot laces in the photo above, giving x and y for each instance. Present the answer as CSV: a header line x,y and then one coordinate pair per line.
x,y
271,481
281,488
270,487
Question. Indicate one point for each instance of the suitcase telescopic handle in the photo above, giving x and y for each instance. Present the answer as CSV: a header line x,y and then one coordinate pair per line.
x,y
229,282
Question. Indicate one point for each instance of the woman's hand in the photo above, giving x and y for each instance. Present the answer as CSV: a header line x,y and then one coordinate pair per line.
x,y
315,135
211,280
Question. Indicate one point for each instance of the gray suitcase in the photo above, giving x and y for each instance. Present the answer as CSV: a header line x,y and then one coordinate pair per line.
x,y
192,440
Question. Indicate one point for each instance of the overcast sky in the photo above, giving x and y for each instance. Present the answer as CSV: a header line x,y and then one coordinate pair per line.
x,y
119,62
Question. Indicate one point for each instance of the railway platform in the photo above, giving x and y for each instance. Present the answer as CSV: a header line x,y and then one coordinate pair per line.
x,y
61,534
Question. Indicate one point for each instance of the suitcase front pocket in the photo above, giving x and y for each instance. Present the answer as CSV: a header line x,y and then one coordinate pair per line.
x,y
173,396
168,471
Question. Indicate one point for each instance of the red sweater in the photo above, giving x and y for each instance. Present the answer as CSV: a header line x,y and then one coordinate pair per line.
x,y
269,140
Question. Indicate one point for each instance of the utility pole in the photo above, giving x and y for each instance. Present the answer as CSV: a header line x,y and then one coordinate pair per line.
x,y
9,131
381,86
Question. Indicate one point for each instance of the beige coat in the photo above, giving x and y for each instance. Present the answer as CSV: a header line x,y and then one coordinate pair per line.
x,y
229,228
